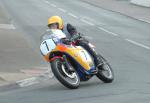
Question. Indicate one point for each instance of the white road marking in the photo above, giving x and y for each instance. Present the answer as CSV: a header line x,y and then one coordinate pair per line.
x,y
62,10
35,79
88,37
27,82
144,20
114,34
72,15
138,44
47,2
87,22
53,5
7,26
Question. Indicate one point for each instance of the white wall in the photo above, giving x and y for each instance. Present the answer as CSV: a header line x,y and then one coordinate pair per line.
x,y
145,3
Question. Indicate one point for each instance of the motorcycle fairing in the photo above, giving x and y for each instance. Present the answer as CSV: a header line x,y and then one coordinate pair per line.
x,y
76,53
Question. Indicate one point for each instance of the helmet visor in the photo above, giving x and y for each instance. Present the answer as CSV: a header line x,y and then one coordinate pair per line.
x,y
53,26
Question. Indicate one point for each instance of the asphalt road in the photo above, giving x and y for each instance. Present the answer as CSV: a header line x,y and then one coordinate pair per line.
x,y
123,41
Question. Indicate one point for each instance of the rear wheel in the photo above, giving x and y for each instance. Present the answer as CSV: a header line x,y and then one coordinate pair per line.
x,y
105,72
69,79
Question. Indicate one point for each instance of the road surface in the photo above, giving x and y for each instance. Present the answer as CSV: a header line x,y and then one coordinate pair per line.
x,y
123,41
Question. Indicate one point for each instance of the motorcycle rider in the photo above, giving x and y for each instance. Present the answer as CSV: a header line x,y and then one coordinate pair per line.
x,y
56,22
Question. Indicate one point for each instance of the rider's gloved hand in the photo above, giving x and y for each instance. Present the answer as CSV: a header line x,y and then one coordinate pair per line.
x,y
66,41
71,29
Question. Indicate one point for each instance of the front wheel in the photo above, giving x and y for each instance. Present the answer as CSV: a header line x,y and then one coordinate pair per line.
x,y
105,72
69,79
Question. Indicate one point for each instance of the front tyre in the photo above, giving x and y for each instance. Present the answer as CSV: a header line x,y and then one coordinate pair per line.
x,y
69,79
105,72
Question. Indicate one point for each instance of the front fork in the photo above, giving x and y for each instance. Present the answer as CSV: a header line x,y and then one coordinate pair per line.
x,y
67,64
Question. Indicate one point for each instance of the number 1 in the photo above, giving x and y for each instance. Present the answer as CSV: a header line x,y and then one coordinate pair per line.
x,y
46,45
84,55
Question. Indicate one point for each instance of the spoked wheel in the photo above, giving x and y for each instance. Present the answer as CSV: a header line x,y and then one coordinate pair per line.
x,y
105,72
69,79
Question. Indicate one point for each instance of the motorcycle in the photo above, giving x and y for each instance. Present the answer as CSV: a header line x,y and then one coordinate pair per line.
x,y
72,64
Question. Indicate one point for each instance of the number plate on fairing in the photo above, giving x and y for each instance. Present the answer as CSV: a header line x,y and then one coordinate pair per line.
x,y
85,55
47,46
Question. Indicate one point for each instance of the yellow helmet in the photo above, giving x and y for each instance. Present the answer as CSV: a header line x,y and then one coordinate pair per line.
x,y
56,19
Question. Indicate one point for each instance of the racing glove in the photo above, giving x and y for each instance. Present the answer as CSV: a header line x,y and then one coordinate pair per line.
x,y
71,29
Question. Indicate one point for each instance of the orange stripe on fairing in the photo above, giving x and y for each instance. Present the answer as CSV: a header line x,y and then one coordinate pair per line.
x,y
61,47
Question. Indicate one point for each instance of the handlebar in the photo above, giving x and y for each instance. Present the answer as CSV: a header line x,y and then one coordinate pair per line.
x,y
72,39
76,37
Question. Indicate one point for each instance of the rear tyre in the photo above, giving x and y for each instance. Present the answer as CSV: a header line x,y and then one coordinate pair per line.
x,y
68,79
105,72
